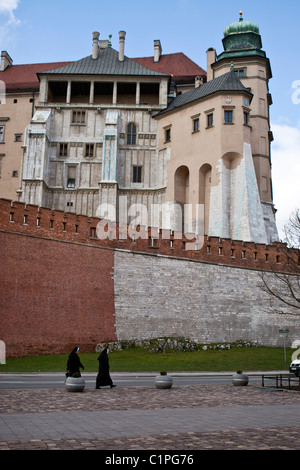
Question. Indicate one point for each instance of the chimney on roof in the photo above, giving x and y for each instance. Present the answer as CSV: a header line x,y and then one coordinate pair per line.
x,y
122,35
6,60
157,50
211,59
198,81
95,44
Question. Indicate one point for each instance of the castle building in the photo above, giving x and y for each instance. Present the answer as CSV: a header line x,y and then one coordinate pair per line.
x,y
216,140
151,142
19,96
111,133
20,88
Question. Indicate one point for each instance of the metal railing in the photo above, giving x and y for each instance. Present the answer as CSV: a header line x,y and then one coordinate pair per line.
x,y
281,380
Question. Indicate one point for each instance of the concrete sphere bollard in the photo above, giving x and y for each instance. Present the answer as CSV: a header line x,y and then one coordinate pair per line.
x,y
75,384
240,379
163,380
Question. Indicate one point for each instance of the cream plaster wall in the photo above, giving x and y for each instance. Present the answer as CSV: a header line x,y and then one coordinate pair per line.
x,y
15,114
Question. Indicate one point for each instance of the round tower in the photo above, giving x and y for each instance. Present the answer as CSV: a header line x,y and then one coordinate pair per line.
x,y
243,53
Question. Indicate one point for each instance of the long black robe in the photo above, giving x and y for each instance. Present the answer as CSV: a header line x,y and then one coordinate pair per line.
x,y
103,377
73,364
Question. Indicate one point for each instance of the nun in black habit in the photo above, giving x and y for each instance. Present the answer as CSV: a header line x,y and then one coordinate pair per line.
x,y
103,377
74,364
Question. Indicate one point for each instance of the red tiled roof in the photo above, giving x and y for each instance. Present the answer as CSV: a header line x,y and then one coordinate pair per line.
x,y
24,77
178,64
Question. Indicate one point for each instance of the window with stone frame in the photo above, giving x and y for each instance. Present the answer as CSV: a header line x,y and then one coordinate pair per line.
x,y
196,125
71,177
2,133
131,134
89,151
246,118
240,73
210,120
168,134
78,117
137,174
228,116
63,150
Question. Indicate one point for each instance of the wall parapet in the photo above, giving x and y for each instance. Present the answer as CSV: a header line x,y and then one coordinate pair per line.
x,y
41,222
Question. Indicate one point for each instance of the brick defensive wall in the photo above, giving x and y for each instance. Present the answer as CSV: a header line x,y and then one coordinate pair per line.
x,y
42,222
62,286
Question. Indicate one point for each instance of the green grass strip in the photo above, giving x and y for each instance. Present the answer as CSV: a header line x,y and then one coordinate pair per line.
x,y
139,360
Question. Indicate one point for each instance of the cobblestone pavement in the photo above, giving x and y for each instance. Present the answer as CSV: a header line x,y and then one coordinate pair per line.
x,y
136,402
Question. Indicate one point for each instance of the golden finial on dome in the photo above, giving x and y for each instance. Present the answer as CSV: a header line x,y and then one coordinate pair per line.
x,y
241,16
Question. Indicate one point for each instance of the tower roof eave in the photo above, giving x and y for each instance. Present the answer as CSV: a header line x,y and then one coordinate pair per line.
x,y
229,82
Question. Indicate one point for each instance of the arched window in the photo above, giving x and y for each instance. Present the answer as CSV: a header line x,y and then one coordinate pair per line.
x,y
181,194
131,134
182,185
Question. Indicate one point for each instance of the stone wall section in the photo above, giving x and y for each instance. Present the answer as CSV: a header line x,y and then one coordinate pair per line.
x,y
159,296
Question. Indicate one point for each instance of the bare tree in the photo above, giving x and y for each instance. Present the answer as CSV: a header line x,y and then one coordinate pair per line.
x,y
286,288
292,231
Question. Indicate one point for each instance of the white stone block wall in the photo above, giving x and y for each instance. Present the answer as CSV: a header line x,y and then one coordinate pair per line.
x,y
235,207
270,222
159,296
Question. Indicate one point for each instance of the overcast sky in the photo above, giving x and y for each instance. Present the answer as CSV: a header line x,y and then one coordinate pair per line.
x,y
34,31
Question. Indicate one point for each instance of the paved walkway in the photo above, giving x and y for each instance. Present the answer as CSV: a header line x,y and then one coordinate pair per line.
x,y
144,418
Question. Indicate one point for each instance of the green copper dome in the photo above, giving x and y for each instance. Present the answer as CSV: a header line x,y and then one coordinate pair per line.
x,y
242,38
241,26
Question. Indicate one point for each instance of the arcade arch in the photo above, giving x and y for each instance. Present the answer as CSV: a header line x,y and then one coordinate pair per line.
x,y
204,192
181,185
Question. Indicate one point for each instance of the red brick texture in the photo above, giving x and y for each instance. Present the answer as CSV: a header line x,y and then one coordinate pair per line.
x,y
45,223
54,296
